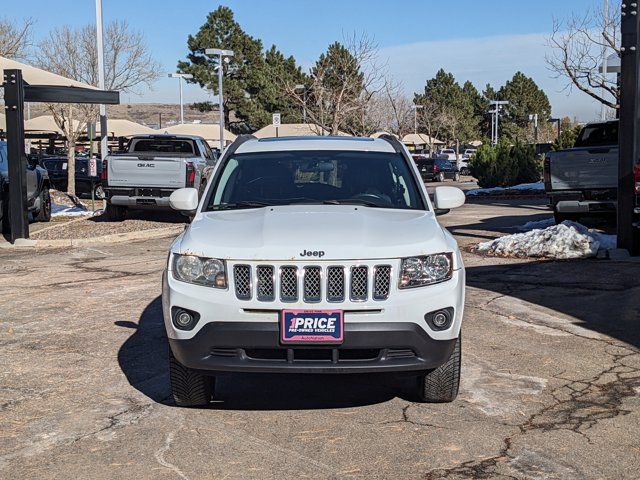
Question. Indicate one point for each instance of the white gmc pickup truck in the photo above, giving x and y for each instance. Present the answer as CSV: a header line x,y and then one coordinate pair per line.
x,y
314,255
152,168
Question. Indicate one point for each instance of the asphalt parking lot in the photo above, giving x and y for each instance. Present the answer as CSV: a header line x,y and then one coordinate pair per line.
x,y
550,383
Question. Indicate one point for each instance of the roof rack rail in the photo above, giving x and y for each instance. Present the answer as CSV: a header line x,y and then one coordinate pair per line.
x,y
395,143
240,139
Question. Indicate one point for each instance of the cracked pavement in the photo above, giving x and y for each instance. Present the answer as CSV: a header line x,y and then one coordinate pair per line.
x,y
550,379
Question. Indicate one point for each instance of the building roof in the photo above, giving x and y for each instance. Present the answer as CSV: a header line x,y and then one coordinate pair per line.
x,y
45,123
37,76
315,142
117,127
420,139
293,130
209,131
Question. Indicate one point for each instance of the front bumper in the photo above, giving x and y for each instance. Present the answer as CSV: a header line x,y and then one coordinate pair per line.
x,y
367,347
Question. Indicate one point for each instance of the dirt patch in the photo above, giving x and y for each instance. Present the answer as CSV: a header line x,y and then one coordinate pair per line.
x,y
99,226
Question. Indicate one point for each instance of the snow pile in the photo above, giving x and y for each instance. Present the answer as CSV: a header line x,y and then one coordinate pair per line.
x,y
563,241
538,186
67,211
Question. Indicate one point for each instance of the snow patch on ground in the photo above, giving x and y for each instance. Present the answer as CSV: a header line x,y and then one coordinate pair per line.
x,y
523,186
66,211
563,241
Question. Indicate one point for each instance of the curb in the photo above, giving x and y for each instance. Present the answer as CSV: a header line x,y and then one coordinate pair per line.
x,y
105,239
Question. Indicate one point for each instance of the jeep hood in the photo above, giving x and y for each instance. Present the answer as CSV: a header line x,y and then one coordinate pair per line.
x,y
342,232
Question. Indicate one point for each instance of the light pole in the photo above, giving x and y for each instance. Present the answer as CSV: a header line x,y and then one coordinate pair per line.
x,y
180,76
221,55
103,110
415,117
304,101
495,118
534,118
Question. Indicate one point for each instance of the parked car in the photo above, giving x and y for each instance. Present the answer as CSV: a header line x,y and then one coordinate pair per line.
x,y
436,169
152,168
85,183
463,164
38,198
447,154
583,180
297,263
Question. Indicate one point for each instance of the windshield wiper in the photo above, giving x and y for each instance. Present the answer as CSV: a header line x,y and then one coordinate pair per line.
x,y
240,205
352,201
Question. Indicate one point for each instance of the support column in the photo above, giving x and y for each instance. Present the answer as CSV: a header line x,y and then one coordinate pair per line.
x,y
14,106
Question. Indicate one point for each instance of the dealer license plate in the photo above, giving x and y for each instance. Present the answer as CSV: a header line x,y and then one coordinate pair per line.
x,y
311,326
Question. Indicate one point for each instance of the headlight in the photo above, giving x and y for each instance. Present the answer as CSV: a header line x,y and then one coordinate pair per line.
x,y
426,270
209,272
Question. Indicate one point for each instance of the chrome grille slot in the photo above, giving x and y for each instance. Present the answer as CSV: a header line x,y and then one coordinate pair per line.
x,y
265,290
289,284
242,280
335,284
359,283
312,284
381,282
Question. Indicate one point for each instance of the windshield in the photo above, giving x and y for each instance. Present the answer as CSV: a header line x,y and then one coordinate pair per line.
x,y
310,177
598,135
163,146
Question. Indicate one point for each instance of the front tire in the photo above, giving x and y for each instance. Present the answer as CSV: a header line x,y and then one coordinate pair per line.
x,y
189,388
44,214
560,217
441,384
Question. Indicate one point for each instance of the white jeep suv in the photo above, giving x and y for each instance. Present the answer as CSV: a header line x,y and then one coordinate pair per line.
x,y
314,255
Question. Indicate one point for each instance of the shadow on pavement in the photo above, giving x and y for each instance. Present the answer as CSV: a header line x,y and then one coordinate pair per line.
x,y
602,296
143,359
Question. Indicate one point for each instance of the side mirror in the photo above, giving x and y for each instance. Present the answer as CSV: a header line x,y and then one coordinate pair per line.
x,y
184,200
446,198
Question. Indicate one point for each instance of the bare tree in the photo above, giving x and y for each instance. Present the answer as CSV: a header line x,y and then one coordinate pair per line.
x,y
432,120
578,44
72,53
342,83
15,39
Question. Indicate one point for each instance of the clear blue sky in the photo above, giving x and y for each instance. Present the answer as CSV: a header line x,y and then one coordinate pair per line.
x,y
479,40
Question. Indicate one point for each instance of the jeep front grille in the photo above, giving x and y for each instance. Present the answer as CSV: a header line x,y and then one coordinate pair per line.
x,y
289,284
359,283
242,279
312,283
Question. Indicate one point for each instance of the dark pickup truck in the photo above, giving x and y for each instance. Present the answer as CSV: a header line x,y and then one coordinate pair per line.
x,y
436,169
583,180
85,183
38,199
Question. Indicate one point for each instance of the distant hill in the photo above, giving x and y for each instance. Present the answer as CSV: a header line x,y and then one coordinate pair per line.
x,y
146,113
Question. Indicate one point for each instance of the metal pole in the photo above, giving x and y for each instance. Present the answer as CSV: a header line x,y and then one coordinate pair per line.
x,y
221,105
603,107
103,109
14,105
181,105
629,131
304,105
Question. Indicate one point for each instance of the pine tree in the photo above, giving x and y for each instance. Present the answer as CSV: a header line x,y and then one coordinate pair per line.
x,y
525,98
240,83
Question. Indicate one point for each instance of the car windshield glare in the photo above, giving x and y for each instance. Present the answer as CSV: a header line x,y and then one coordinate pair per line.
x,y
372,179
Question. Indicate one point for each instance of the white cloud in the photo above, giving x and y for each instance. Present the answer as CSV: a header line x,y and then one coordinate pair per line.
x,y
485,60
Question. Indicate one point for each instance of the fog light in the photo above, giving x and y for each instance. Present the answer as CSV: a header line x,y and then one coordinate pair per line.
x,y
440,319
184,319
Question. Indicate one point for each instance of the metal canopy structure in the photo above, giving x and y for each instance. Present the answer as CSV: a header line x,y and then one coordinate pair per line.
x,y
44,87
629,132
